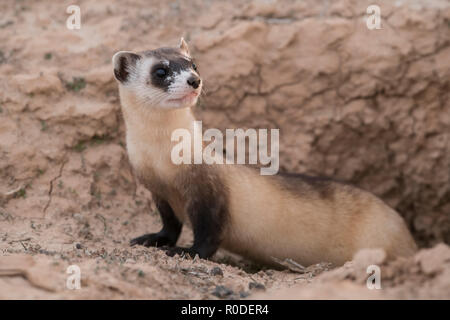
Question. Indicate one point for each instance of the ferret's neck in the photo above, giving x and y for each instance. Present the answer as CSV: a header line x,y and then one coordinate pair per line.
x,y
149,132
152,123
155,124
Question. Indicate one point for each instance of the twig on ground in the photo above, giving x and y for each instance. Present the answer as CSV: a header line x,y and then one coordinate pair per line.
x,y
291,265
19,240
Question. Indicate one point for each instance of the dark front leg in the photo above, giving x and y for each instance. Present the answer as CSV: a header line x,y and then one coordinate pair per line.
x,y
169,233
207,217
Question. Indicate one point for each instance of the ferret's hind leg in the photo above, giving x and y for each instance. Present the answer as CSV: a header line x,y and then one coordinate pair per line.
x,y
170,232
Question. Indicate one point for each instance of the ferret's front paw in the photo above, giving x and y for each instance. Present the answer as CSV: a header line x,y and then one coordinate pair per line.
x,y
171,251
151,240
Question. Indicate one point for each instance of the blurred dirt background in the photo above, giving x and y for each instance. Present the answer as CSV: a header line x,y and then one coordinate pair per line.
x,y
368,107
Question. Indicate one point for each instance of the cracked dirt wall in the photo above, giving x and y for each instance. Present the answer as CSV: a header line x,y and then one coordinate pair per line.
x,y
369,107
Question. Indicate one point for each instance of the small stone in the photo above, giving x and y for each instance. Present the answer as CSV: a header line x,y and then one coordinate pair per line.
x,y
222,292
244,294
433,260
216,271
132,261
256,285
79,246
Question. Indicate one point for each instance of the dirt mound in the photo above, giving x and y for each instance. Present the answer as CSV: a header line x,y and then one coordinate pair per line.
x,y
370,107
424,276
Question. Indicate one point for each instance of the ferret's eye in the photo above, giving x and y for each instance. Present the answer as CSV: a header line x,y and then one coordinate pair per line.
x,y
194,67
160,72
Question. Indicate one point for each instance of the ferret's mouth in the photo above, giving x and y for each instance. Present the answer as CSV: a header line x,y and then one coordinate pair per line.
x,y
190,96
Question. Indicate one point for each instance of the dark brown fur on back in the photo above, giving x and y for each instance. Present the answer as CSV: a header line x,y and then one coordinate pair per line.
x,y
304,185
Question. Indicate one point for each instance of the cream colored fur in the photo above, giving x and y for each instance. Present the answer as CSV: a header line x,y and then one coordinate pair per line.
x,y
265,220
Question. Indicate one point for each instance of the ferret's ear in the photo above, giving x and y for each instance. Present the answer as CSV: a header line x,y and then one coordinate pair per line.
x,y
124,62
184,47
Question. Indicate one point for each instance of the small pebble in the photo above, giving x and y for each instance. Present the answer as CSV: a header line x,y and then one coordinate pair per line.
x,y
256,285
244,294
222,292
216,271
78,246
269,272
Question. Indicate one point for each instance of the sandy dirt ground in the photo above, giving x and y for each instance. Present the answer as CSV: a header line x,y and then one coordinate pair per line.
x,y
377,115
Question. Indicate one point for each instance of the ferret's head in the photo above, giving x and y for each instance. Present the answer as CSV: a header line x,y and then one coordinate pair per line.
x,y
164,78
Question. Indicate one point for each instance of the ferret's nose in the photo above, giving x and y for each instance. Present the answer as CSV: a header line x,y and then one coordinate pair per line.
x,y
194,81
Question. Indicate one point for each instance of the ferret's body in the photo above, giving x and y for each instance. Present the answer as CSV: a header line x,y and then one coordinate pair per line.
x,y
315,222
307,219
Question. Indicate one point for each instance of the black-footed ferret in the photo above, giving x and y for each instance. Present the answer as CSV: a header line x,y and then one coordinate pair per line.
x,y
307,219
